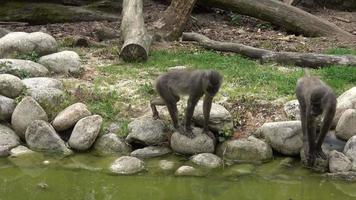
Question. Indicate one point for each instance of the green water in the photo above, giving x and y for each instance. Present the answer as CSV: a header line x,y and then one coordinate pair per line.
x,y
84,177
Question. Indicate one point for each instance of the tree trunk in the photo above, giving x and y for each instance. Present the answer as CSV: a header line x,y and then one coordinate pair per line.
x,y
171,25
300,59
291,18
136,39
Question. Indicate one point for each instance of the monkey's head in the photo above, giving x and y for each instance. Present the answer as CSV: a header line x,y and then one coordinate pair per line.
x,y
212,82
316,101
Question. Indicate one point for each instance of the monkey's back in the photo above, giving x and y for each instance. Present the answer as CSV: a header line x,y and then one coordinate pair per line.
x,y
308,84
178,81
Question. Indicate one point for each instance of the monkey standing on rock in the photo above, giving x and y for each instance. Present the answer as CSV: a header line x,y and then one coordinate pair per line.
x,y
195,84
315,98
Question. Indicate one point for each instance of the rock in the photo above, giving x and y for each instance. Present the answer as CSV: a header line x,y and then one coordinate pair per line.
x,y
284,137
63,62
287,162
320,165
46,91
350,151
345,101
8,140
207,160
291,108
22,43
70,116
166,165
151,151
238,170
338,162
248,149
3,32
127,165
22,68
220,118
85,132
10,85
27,111
201,143
111,144
331,142
42,83
187,171
7,107
147,131
346,127
20,151
41,136
343,176
105,33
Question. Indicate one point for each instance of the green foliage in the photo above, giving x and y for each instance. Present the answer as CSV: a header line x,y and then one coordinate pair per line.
x,y
33,56
342,51
124,129
146,89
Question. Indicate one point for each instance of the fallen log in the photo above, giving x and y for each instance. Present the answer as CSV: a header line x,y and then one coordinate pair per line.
x,y
136,39
310,60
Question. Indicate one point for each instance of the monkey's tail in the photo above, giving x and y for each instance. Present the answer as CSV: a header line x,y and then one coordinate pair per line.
x,y
307,72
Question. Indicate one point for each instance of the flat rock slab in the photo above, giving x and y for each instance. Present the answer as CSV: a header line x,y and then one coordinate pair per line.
x,y
27,111
42,83
127,165
147,131
70,116
111,144
7,107
8,140
201,143
284,137
23,43
150,152
220,119
248,149
22,68
63,62
41,136
346,127
85,132
207,160
10,86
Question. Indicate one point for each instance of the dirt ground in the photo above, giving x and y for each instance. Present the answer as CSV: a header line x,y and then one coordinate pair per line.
x,y
223,26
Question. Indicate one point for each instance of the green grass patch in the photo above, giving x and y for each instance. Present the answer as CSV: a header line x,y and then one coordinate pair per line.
x,y
341,51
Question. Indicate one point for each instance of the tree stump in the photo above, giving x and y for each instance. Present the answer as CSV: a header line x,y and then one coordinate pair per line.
x,y
136,39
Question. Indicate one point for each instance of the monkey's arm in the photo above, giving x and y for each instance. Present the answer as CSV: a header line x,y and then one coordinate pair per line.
x,y
206,111
325,127
192,102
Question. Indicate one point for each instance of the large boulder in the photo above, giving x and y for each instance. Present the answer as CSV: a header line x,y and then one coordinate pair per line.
x,y
85,132
27,111
346,127
22,43
7,107
8,140
291,108
22,68
111,144
10,85
150,152
63,62
46,91
207,160
201,143
127,165
338,162
147,131
345,101
41,136
70,116
284,137
248,149
350,151
220,119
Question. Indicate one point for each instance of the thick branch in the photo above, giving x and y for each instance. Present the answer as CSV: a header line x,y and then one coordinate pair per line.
x,y
136,39
300,59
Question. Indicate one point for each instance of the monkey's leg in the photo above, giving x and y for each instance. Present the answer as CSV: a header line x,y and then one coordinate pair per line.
x,y
206,111
192,102
171,100
156,102
325,127
303,117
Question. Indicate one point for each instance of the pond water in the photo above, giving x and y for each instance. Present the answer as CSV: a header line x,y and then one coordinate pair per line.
x,y
84,177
